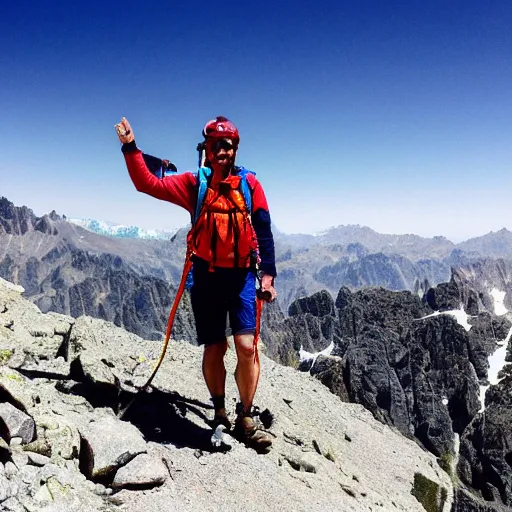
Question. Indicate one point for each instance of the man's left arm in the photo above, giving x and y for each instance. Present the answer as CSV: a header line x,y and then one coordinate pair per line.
x,y
263,229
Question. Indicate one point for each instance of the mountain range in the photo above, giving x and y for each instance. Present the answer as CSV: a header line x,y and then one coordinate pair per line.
x,y
494,244
407,327
130,281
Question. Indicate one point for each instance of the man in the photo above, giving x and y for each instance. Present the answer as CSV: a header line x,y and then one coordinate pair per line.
x,y
226,241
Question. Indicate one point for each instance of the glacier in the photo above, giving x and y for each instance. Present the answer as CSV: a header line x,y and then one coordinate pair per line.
x,y
121,231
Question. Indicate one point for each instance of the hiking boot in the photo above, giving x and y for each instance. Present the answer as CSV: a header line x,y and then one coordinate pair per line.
x,y
221,418
248,433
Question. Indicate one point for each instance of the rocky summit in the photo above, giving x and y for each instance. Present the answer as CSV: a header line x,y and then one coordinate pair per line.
x,y
64,448
433,368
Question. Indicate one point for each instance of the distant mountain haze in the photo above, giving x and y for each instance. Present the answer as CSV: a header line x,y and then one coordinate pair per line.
x,y
130,280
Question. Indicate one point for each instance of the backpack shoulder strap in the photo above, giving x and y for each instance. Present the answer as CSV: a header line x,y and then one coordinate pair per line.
x,y
203,174
245,189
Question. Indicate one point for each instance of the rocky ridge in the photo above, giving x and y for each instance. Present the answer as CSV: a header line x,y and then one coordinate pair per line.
x,y
63,447
419,366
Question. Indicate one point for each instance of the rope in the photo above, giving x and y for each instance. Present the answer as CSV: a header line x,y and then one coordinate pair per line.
x,y
259,309
170,323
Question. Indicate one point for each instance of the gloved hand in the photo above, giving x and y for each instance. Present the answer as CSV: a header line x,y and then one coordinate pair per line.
x,y
124,131
268,292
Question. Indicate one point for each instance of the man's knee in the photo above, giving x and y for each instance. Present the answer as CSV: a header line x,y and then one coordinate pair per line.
x,y
245,345
216,350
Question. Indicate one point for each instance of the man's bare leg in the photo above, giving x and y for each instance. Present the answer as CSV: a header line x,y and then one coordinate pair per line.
x,y
214,372
247,371
247,374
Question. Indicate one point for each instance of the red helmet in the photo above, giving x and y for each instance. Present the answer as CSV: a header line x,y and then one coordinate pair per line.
x,y
221,128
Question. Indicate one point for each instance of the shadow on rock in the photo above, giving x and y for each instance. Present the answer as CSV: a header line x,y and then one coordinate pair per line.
x,y
161,417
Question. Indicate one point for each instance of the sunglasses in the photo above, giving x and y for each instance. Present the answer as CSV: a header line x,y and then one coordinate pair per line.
x,y
222,144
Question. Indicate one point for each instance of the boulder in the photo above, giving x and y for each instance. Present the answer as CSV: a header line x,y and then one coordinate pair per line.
x,y
16,423
143,471
110,443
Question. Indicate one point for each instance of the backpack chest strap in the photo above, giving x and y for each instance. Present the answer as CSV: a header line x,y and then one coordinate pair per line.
x,y
203,177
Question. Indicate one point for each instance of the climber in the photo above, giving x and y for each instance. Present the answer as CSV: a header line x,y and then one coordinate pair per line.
x,y
230,246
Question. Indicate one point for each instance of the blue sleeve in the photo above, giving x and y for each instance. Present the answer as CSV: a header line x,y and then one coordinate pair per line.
x,y
262,227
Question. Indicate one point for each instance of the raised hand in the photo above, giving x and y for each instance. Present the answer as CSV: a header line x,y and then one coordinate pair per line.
x,y
124,131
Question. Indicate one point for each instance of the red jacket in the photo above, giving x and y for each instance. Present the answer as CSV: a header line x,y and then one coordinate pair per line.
x,y
181,189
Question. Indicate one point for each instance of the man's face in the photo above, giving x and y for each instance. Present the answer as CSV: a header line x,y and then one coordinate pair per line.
x,y
221,153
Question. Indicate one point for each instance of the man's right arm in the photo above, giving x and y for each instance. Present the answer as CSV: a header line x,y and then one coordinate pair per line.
x,y
179,189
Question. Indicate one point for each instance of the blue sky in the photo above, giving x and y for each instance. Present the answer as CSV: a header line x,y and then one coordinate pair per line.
x,y
395,115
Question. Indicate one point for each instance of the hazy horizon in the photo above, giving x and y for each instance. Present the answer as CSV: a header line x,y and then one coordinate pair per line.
x,y
315,233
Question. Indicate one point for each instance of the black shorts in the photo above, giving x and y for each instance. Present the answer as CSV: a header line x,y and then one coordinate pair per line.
x,y
217,294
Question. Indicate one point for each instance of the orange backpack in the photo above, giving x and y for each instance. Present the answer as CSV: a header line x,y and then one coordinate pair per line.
x,y
222,233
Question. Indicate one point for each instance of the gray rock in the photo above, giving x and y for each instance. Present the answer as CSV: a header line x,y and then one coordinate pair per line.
x,y
125,359
56,488
44,494
47,422
142,470
465,501
329,371
394,361
30,475
40,446
10,469
55,368
72,465
19,458
485,456
446,296
70,477
17,423
15,488
11,286
19,388
5,488
64,440
312,326
36,459
13,505
100,490
110,443
301,463
16,441
319,304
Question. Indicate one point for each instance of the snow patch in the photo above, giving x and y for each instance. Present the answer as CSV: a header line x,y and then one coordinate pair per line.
x,y
496,364
119,230
459,314
456,449
499,297
304,355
